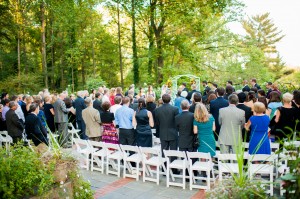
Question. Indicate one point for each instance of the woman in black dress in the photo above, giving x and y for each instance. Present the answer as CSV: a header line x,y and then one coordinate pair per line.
x,y
109,130
71,115
49,113
143,120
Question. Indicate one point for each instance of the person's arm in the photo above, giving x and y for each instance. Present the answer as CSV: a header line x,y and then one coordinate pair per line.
x,y
63,107
97,117
134,123
247,125
195,129
214,126
277,117
220,117
52,111
151,122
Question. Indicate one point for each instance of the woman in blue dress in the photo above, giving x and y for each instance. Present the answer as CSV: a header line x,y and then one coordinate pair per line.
x,y
259,123
143,120
204,126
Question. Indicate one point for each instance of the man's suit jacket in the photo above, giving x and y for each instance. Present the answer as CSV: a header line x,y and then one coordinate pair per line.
x,y
35,130
246,88
189,96
248,114
79,105
165,121
97,105
215,106
61,112
231,120
184,125
14,126
257,86
92,121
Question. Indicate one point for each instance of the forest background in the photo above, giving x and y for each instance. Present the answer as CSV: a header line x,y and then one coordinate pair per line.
x,y
83,44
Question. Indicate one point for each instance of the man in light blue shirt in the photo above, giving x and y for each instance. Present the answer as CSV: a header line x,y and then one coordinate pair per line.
x,y
123,119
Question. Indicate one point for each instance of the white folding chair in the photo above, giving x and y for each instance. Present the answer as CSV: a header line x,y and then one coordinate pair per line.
x,y
274,151
131,154
113,159
180,162
98,155
152,158
264,165
83,147
6,139
156,143
74,132
203,163
227,163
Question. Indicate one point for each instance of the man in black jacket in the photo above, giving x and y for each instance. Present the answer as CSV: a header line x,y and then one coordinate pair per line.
x,y
14,126
248,113
79,105
98,102
184,125
34,127
165,123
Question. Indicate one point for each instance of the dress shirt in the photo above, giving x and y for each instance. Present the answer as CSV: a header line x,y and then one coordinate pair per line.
x,y
4,111
20,113
123,117
114,108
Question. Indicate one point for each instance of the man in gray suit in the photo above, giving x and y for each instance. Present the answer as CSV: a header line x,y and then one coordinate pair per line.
x,y
231,120
61,118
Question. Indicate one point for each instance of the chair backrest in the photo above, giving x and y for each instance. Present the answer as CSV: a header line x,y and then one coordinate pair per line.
x,y
81,144
71,126
246,145
94,144
173,153
224,157
261,157
198,155
6,138
149,150
274,146
3,132
156,140
112,147
128,148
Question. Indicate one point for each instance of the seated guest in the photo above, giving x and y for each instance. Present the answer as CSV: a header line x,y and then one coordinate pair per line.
x,y
196,98
184,125
274,103
204,127
259,123
35,130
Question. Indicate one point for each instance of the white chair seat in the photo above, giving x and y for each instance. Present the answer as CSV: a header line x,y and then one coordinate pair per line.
x,y
116,155
229,167
177,164
203,166
134,158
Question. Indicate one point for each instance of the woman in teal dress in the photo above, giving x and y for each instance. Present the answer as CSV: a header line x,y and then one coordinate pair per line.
x,y
204,126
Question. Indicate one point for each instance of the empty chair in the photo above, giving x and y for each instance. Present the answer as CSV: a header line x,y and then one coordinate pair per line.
x,y
98,155
156,142
83,147
6,139
179,163
203,163
74,132
152,158
131,154
113,159
262,164
227,163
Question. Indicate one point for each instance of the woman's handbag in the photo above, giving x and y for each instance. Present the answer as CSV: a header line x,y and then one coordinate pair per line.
x,y
196,141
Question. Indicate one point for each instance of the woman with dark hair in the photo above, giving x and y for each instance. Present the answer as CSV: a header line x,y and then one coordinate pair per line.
x,y
263,100
251,99
143,121
210,98
71,114
49,113
274,103
109,130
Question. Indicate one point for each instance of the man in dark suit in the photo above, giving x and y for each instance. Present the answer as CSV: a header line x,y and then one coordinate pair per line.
x,y
246,87
254,84
184,88
184,125
35,130
269,87
206,88
216,105
197,99
79,105
248,113
14,126
165,123
97,102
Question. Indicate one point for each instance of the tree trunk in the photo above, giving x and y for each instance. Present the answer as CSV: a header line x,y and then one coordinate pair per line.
x,y
94,61
134,48
120,49
83,68
151,40
43,46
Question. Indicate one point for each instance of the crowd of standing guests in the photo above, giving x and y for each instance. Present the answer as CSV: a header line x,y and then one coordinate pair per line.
x,y
194,121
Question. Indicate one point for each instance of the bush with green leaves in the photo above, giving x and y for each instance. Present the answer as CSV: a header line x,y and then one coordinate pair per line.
x,y
23,174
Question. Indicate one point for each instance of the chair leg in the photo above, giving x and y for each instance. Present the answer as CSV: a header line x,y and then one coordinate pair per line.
x,y
208,179
183,177
92,163
137,170
271,184
168,175
124,169
157,174
191,179
144,171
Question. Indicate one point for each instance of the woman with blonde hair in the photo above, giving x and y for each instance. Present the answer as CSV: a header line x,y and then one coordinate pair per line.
x,y
204,126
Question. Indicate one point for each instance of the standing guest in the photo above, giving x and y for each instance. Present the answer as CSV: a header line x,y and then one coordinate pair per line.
x,y
61,118
150,92
4,96
274,103
194,90
41,113
143,121
165,123
248,114
214,86
79,106
19,111
123,119
285,118
141,93
204,127
131,88
216,105
204,98
151,106
106,95
275,88
209,99
91,118
296,105
72,98
230,83
251,99
269,87
228,91
2,122
20,100
118,102
14,126
28,101
263,100
97,102
34,127
206,88
254,84
5,108
180,97
195,100
93,94
72,113
184,125
112,94
259,122
101,90
184,88
119,92
246,87
109,130
261,93
133,102
231,120
49,113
